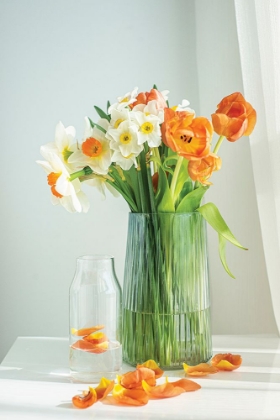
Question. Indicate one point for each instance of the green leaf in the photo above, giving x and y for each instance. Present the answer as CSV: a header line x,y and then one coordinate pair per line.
x,y
183,174
93,124
108,105
212,215
191,201
101,113
164,199
222,252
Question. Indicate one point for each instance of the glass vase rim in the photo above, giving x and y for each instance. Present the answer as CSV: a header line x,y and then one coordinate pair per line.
x,y
95,257
166,212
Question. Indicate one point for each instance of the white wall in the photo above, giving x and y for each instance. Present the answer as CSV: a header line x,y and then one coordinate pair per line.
x,y
61,57
242,305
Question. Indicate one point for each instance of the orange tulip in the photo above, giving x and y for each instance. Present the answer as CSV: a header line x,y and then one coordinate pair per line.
x,y
226,361
86,400
153,95
188,136
151,364
134,379
234,117
201,169
129,396
202,369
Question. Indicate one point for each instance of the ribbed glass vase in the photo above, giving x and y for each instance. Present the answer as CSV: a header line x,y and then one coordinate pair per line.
x,y
166,307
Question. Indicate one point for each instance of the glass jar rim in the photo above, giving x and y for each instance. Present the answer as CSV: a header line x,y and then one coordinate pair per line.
x,y
95,257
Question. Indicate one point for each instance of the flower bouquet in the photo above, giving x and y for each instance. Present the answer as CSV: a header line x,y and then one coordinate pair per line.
x,y
160,159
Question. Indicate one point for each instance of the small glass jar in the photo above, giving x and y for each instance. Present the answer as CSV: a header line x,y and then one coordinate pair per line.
x,y
95,319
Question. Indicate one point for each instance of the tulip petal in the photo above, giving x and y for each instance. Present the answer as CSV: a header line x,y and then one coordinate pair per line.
x,y
86,331
187,384
85,401
226,361
202,369
151,364
134,379
166,390
104,388
129,396
89,347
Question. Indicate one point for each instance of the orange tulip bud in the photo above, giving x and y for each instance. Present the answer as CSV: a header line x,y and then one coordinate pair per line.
x,y
234,117
201,169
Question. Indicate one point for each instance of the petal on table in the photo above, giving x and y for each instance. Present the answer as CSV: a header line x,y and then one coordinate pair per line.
x,y
129,396
104,388
134,379
226,361
202,369
166,390
151,364
86,400
186,384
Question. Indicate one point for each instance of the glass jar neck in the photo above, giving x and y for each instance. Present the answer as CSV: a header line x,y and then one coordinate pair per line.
x,y
95,263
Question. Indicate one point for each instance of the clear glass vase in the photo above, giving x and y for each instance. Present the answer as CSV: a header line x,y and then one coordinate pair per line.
x,y
166,307
95,319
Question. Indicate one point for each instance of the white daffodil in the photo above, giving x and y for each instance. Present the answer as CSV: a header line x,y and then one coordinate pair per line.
x,y
124,101
99,182
149,129
95,149
150,108
118,116
125,138
64,143
64,191
125,162
184,106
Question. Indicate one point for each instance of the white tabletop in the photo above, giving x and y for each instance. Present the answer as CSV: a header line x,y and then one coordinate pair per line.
x,y
35,384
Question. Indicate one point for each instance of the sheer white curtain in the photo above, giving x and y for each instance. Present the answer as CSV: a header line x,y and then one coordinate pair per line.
x,y
258,27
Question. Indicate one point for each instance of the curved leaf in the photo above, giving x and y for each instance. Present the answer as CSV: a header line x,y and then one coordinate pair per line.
x,y
212,215
192,201
101,113
222,252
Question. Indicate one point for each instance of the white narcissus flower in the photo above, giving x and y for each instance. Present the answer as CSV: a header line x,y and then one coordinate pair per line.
x,y
118,116
64,143
184,106
125,138
149,129
64,192
124,101
95,149
99,182
151,108
125,162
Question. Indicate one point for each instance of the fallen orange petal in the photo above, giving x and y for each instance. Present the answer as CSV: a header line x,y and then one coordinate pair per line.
x,y
202,369
84,401
134,379
186,384
166,390
226,361
129,396
86,331
151,364
104,388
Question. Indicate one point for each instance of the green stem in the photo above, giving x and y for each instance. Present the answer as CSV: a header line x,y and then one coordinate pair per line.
x,y
83,172
218,145
175,176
